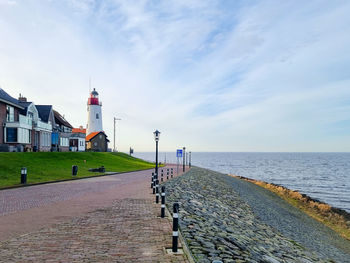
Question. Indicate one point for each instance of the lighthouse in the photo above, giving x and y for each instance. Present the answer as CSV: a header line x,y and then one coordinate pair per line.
x,y
94,108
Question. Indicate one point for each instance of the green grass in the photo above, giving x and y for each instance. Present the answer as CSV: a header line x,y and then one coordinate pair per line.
x,y
51,166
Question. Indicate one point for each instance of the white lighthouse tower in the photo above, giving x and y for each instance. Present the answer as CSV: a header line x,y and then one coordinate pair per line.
x,y
94,108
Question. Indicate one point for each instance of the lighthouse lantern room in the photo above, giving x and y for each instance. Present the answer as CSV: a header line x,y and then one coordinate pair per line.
x,y
94,108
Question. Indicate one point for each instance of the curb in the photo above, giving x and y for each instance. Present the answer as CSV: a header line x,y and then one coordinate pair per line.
x,y
185,247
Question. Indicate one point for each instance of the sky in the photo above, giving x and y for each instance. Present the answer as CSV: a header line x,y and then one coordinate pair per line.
x,y
209,75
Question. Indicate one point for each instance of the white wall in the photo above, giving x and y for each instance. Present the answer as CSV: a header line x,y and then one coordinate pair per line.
x,y
94,124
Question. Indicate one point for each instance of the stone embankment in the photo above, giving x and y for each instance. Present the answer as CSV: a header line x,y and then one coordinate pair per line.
x,y
217,223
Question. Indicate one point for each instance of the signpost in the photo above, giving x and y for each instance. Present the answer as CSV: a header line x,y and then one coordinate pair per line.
x,y
178,155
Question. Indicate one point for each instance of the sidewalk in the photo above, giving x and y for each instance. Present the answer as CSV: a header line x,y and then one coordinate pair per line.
x,y
107,219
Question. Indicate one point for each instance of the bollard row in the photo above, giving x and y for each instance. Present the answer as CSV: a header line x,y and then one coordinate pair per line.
x,y
155,187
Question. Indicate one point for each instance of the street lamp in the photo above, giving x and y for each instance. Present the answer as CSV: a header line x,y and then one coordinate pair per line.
x,y
115,119
156,138
184,159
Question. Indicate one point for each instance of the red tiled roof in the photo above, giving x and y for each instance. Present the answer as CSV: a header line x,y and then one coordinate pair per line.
x,y
78,130
91,135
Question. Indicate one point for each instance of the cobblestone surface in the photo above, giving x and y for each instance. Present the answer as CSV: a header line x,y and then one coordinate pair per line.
x,y
14,200
126,232
105,219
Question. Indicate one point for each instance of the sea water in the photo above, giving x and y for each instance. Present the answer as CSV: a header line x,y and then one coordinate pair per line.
x,y
322,176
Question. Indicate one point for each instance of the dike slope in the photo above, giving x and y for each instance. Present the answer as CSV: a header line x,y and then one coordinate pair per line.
x,y
226,218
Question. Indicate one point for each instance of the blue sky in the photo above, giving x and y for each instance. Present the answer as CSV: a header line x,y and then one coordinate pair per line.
x,y
210,75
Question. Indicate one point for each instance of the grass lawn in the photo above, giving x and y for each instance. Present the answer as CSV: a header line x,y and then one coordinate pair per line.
x,y
51,166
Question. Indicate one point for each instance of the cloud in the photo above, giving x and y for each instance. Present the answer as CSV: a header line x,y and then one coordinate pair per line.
x,y
233,76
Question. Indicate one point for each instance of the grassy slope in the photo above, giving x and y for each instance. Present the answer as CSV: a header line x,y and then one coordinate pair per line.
x,y
50,166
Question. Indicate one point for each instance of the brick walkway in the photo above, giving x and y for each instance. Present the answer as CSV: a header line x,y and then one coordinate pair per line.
x,y
106,219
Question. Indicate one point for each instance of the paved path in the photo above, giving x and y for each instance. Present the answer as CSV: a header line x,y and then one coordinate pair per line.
x,y
111,219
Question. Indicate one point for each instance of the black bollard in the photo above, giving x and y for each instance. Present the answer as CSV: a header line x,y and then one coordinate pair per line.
x,y
157,191
162,209
152,180
23,175
154,184
175,226
172,171
74,170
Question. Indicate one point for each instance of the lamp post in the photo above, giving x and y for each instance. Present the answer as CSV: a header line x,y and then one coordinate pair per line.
x,y
184,159
156,138
115,119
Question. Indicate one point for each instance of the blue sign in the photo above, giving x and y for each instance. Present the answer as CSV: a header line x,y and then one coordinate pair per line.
x,y
179,153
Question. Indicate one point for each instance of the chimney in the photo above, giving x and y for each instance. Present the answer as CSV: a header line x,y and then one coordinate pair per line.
x,y
21,98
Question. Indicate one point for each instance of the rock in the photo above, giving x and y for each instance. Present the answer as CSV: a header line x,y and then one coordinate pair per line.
x,y
304,260
268,259
217,223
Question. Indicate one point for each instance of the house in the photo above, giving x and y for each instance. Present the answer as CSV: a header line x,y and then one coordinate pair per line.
x,y
64,132
77,140
41,130
15,128
22,129
46,114
97,142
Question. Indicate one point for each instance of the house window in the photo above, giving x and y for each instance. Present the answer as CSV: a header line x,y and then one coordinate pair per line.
x,y
45,139
10,114
97,117
63,142
11,134
23,135
95,143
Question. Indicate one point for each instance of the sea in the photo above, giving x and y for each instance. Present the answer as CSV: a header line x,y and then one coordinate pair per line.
x,y
322,176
